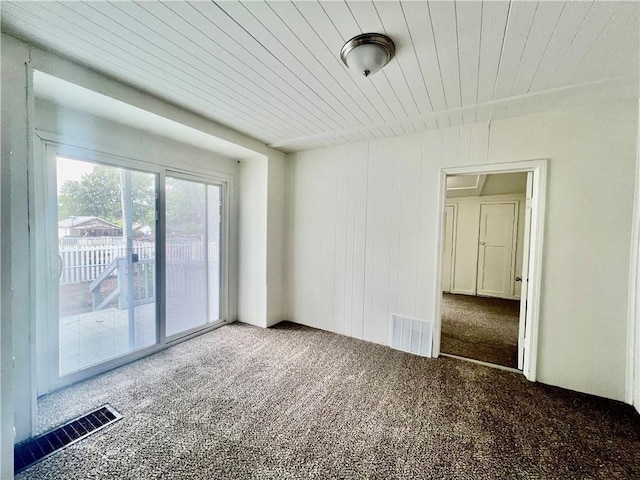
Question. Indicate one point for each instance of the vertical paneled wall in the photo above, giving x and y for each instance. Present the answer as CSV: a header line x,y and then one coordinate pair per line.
x,y
364,222
363,237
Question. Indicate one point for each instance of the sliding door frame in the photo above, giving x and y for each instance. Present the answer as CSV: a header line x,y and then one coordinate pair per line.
x,y
45,264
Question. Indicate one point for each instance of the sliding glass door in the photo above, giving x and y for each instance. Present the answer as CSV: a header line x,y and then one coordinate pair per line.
x,y
192,274
134,261
106,248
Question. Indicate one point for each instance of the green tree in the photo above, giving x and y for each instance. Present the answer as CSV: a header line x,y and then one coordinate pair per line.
x,y
185,208
98,194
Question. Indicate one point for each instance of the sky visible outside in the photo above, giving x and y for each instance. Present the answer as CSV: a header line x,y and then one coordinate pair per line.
x,y
69,169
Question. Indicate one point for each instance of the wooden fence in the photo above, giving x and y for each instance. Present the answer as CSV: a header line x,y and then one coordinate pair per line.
x,y
84,261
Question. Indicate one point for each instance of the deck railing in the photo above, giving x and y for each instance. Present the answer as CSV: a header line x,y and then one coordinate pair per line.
x,y
144,284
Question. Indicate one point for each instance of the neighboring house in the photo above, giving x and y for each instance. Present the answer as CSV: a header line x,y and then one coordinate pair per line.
x,y
142,231
87,226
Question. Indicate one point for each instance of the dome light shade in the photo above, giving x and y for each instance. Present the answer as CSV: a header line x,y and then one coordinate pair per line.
x,y
368,53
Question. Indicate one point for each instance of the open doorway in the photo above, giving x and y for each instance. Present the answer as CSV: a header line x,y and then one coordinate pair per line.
x,y
482,266
491,234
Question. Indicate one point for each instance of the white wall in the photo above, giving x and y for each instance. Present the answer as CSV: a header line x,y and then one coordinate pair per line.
x,y
363,233
17,384
14,248
276,237
83,129
465,267
252,235
262,235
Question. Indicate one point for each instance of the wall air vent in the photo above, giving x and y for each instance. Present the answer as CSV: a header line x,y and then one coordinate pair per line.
x,y
411,335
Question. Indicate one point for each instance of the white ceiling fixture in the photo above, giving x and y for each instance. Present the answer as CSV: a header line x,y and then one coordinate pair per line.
x,y
367,53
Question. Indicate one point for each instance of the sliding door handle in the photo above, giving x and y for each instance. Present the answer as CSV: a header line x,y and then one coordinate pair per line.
x,y
60,266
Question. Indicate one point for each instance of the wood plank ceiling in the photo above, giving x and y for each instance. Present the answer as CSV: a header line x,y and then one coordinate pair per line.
x,y
272,69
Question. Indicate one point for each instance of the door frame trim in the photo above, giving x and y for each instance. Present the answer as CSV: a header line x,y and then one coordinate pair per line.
x,y
539,168
632,393
453,243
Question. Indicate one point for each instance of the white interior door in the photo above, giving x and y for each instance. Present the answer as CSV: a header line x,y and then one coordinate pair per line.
x,y
525,272
449,247
496,249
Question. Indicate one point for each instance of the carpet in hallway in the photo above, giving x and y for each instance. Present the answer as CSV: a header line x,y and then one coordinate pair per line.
x,y
481,328
292,402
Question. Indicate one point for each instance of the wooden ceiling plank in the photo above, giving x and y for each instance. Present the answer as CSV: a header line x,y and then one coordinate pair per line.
x,y
419,25
43,31
305,72
221,49
616,51
218,75
568,26
200,75
494,24
518,30
596,21
198,83
272,70
443,21
469,21
544,25
122,56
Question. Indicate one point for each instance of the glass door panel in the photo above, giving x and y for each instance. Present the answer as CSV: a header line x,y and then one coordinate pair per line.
x,y
192,273
107,257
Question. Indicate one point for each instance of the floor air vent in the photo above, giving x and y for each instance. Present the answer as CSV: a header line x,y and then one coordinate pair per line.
x,y
411,335
38,448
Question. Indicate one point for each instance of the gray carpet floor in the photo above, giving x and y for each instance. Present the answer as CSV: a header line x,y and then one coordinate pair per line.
x,y
481,328
295,402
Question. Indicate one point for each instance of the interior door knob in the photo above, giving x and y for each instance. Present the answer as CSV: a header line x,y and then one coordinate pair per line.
x,y
481,243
